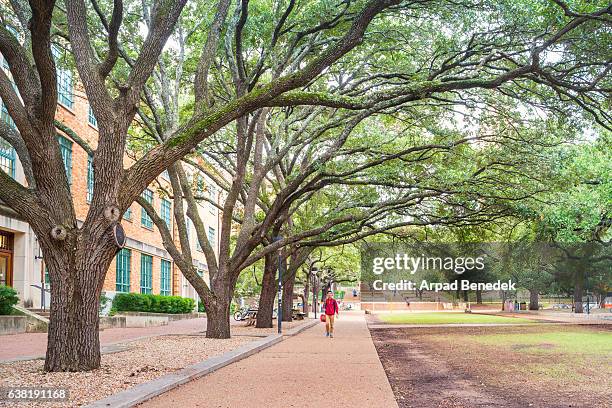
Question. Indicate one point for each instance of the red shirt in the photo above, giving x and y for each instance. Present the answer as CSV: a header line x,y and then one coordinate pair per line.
x,y
331,307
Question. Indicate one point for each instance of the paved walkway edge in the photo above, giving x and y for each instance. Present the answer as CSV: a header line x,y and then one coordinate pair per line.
x,y
150,389
301,328
145,391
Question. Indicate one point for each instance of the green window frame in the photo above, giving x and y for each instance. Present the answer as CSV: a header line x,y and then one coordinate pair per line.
x,y
166,211
5,117
200,185
123,269
65,94
91,118
146,273
7,158
165,274
145,220
65,83
66,152
127,215
90,178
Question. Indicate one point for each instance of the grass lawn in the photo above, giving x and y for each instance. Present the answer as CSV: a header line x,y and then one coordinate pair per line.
x,y
447,318
544,352
573,342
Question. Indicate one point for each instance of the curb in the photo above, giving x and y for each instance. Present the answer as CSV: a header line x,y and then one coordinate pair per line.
x,y
145,391
301,328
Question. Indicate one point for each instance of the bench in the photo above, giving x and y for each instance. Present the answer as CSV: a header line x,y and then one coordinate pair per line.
x,y
251,317
297,315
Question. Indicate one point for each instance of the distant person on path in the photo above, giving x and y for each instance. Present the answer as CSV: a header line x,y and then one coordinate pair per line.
x,y
331,309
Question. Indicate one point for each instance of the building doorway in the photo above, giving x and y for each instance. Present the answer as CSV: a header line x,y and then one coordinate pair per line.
x,y
6,258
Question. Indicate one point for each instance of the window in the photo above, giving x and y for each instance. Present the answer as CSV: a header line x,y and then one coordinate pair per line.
x,y
188,228
166,212
65,94
200,185
90,178
165,175
64,88
164,285
145,219
47,279
123,260
146,273
212,194
91,118
212,236
127,215
5,117
3,62
66,151
198,246
7,158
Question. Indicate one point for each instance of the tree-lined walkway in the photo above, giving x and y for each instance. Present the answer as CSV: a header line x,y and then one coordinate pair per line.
x,y
307,370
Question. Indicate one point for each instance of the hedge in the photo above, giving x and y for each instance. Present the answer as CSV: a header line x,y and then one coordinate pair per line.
x,y
138,302
8,299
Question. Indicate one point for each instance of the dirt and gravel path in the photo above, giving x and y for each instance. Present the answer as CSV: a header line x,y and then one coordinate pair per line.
x,y
25,346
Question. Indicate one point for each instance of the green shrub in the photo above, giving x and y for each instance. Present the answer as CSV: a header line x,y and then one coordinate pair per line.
x,y
201,307
137,302
8,298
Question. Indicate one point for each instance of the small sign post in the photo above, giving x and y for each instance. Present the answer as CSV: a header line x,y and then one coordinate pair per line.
x,y
279,314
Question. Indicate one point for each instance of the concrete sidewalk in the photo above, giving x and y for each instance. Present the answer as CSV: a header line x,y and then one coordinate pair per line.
x,y
307,370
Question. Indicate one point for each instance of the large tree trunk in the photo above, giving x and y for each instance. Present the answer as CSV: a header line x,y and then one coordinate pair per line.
x,y
534,298
479,297
218,319
288,299
268,293
73,342
315,290
578,283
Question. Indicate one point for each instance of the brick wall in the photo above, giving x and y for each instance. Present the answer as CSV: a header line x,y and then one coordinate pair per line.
x,y
77,119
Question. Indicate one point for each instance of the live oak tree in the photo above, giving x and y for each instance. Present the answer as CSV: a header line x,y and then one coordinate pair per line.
x,y
577,216
547,55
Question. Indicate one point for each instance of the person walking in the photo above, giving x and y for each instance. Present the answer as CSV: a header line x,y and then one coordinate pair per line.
x,y
331,311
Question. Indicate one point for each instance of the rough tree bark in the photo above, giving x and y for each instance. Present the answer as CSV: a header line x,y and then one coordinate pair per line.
x,y
534,296
288,298
218,313
578,287
268,292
